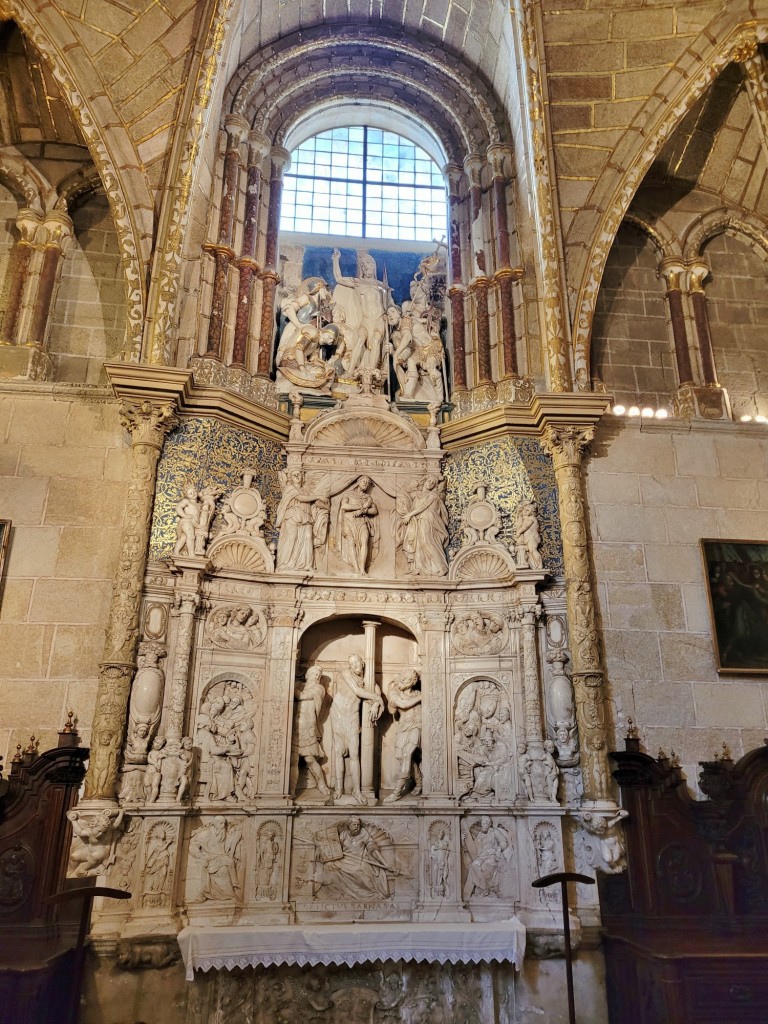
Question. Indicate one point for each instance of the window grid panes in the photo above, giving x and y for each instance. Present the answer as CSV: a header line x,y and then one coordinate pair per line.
x,y
365,182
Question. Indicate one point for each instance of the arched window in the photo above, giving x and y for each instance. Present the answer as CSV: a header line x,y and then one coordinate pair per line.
x,y
365,182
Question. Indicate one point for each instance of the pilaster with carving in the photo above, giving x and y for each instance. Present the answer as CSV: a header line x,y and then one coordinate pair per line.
x,y
148,423
187,603
567,445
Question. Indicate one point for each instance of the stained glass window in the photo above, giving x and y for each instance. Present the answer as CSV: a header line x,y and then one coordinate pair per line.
x,y
364,182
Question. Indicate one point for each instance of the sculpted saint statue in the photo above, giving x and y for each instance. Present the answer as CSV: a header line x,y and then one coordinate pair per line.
x,y
349,694
422,530
404,702
357,528
215,848
485,846
528,534
352,862
309,696
302,519
364,300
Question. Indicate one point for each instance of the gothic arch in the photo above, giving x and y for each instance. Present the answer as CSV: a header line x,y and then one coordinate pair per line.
x,y
663,239
705,58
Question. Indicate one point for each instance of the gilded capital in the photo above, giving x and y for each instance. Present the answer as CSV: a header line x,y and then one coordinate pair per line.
x,y
148,422
697,274
566,445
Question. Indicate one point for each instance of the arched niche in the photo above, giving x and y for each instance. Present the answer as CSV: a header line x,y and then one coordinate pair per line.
x,y
329,645
484,741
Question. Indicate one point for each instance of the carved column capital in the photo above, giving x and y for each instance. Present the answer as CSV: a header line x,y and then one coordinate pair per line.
x,y
148,422
697,275
566,445
29,223
236,128
453,175
281,161
473,166
671,271
258,146
59,230
498,154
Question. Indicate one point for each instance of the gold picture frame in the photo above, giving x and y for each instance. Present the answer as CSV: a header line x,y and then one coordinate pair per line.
x,y
736,572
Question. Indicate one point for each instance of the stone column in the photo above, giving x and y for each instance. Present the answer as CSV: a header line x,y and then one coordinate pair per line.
x,y
753,65
59,229
187,601
281,161
148,423
222,251
258,147
28,223
529,616
504,275
453,175
473,165
671,271
566,445
368,734
697,274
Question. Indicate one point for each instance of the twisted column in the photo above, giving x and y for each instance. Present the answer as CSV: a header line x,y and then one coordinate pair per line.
x,y
453,175
566,446
697,274
258,147
148,423
222,251
671,271
504,275
281,161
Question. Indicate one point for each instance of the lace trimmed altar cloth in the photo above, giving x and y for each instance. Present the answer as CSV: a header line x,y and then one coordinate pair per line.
x,y
224,948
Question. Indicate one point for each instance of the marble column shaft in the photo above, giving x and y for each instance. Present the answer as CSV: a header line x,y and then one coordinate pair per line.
x,y
148,423
674,296
187,604
696,275
247,265
28,224
504,274
453,175
479,289
281,160
60,232
368,732
566,445
531,689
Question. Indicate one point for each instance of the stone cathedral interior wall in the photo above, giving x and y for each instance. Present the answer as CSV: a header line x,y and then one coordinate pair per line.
x,y
654,488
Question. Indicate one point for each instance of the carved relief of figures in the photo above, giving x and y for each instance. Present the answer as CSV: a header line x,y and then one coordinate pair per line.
x,y
486,851
194,512
349,693
357,533
157,862
268,861
404,703
237,627
95,838
603,843
302,519
299,355
176,769
354,860
527,536
538,770
546,848
153,774
228,742
483,742
146,703
421,529
214,848
438,864
478,632
309,696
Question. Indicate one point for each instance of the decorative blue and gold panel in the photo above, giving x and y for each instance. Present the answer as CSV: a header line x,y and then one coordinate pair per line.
x,y
204,452
512,469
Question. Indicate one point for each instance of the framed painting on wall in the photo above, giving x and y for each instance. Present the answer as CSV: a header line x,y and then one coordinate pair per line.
x,y
737,585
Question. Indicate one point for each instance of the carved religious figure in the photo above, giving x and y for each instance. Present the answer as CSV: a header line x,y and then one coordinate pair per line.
x,y
483,742
417,353
352,862
214,848
267,861
153,774
299,354
604,845
404,703
308,696
561,712
527,536
349,694
157,858
546,850
302,519
194,512
437,865
175,769
485,847
421,529
228,744
478,632
357,531
364,300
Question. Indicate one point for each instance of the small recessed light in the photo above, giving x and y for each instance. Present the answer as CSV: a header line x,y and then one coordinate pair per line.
x,y
633,411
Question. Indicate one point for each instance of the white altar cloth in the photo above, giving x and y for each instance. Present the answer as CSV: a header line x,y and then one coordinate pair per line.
x,y
227,947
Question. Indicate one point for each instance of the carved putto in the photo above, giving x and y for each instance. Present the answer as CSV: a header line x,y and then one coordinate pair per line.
x,y
96,835
194,512
527,536
240,544
237,627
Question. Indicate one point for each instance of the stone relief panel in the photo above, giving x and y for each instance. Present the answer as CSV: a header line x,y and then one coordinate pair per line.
x,y
488,856
237,627
478,631
157,869
438,860
483,743
214,870
269,860
225,733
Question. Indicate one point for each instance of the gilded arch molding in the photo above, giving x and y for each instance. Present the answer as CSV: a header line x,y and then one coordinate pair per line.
x,y
131,205
715,222
715,47
19,173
